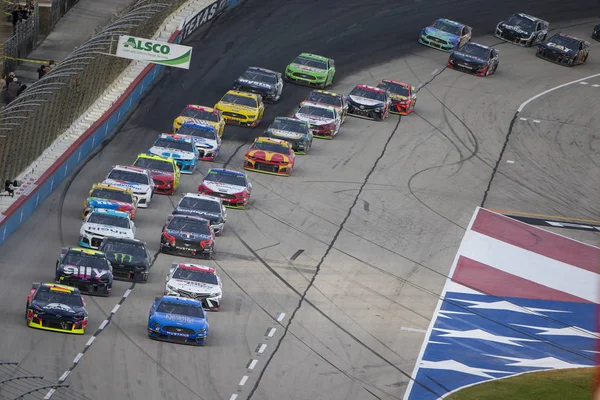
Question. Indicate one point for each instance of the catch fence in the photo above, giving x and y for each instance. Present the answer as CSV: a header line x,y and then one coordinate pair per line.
x,y
22,42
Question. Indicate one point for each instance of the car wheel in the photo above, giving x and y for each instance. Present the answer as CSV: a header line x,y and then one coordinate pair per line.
x,y
26,311
377,116
585,58
571,62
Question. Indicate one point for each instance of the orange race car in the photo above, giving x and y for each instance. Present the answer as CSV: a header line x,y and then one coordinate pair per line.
x,y
404,96
270,156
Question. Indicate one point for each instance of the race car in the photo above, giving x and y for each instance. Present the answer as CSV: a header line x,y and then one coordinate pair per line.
x,y
187,235
270,156
129,258
110,198
564,49
163,170
179,148
207,114
474,59
596,33
178,320
87,270
335,100
369,102
324,121
312,70
233,187
241,108
204,136
195,282
268,84
204,206
522,29
445,35
100,224
403,95
294,131
58,308
137,179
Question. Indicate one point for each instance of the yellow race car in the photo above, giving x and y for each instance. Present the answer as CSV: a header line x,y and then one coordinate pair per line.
x,y
164,172
241,108
193,111
110,198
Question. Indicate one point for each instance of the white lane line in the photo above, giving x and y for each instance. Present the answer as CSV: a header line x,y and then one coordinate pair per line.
x,y
49,394
510,161
233,397
114,310
243,381
271,332
595,85
523,119
537,121
77,358
252,364
583,83
545,92
404,328
280,317
89,342
261,348
127,292
435,72
63,377
103,324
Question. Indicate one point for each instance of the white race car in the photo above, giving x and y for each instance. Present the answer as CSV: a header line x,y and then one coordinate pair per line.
x,y
324,120
204,206
195,282
137,179
102,223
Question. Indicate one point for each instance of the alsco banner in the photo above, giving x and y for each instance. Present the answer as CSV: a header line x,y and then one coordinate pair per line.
x,y
203,16
172,55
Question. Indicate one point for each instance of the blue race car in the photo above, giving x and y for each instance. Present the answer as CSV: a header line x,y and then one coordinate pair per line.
x,y
178,320
179,148
204,136
445,35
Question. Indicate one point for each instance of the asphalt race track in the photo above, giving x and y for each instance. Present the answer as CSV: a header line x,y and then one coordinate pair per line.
x,y
378,212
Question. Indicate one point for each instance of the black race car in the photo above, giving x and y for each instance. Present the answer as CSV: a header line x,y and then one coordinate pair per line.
x,y
188,236
522,29
474,59
369,102
596,33
88,270
265,82
129,258
564,49
57,308
204,206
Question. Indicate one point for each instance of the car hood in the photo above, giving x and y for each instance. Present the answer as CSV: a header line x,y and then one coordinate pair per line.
x,y
204,142
239,108
109,204
193,286
136,187
450,37
280,133
268,156
172,153
465,58
255,84
558,48
83,272
125,260
108,230
220,187
212,217
58,308
305,68
188,235
314,119
515,29
162,175
396,96
179,320
365,101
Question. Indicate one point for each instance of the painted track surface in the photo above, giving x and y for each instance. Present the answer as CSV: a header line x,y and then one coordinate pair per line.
x,y
385,268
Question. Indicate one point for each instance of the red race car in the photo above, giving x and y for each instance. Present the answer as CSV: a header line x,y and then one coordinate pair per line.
x,y
404,96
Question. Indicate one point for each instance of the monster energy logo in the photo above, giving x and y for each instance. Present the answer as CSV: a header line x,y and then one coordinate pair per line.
x,y
123,257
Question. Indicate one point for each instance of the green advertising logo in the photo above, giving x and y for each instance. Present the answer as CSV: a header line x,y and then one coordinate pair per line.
x,y
171,54
147,46
123,257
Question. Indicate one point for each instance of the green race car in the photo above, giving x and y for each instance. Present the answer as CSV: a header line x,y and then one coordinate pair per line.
x,y
312,70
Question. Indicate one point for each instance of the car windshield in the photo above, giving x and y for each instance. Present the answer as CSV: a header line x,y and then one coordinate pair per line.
x,y
189,130
157,165
187,274
231,179
256,76
317,111
289,125
564,42
128,176
200,114
274,147
310,62
324,98
524,23
200,204
87,260
111,220
124,252
115,195
239,100
475,51
447,27
394,88
175,144
369,94
48,296
189,225
169,307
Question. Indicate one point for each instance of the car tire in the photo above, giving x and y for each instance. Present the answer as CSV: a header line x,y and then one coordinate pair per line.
x,y
571,62
26,311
